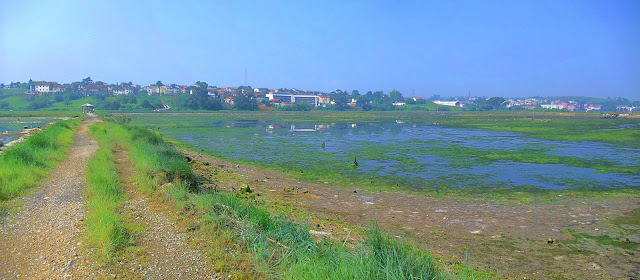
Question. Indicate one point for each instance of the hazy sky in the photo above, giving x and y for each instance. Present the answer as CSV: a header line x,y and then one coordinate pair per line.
x,y
506,48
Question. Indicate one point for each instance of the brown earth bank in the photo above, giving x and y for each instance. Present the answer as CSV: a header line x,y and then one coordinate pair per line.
x,y
569,238
43,239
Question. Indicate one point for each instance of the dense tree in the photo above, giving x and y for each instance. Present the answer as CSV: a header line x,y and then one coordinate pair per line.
x,y
355,94
364,103
159,83
495,102
245,101
87,80
377,95
396,96
109,105
384,103
492,103
146,104
71,95
340,98
39,102
200,99
58,96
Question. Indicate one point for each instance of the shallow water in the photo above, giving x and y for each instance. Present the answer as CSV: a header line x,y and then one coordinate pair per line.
x,y
414,154
15,125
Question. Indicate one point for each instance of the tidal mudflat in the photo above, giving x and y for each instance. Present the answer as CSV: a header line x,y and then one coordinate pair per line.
x,y
414,154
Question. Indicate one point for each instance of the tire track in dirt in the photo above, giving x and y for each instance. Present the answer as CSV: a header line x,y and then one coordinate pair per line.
x,y
165,253
42,240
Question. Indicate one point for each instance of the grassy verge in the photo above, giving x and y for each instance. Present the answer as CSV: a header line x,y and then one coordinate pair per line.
x,y
246,239
105,226
26,164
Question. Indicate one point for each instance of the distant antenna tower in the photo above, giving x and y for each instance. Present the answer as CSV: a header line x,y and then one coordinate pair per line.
x,y
245,76
413,93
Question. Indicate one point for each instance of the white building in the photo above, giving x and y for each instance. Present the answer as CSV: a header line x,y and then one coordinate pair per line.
x,y
122,90
294,98
44,87
448,103
552,106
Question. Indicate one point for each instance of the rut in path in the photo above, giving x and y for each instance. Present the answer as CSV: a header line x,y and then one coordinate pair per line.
x,y
41,241
166,253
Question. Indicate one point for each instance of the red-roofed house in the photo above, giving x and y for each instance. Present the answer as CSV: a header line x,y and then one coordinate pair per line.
x,y
324,100
229,100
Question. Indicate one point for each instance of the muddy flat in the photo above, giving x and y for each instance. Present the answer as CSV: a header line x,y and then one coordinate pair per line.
x,y
569,238
42,240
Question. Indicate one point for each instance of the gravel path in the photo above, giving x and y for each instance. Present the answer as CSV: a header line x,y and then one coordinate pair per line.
x,y
165,252
41,241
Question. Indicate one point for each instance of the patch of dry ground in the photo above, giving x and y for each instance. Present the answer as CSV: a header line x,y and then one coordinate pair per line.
x,y
509,240
42,240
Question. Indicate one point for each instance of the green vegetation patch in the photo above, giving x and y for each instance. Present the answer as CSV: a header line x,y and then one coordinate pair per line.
x,y
105,226
606,240
26,164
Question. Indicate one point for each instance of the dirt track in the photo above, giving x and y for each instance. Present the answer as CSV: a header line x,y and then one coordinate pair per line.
x,y
162,250
42,240
511,241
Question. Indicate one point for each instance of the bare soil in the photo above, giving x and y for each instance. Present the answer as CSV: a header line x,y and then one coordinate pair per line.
x,y
42,240
512,241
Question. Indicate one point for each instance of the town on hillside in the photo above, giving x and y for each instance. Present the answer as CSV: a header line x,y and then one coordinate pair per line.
x,y
294,99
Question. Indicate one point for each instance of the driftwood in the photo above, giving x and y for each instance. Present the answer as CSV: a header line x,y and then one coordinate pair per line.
x,y
278,243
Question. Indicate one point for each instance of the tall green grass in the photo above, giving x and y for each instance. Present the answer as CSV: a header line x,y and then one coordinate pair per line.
x,y
105,227
26,164
285,249
157,162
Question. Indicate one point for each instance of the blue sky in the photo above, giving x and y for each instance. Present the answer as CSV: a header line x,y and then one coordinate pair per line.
x,y
491,48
